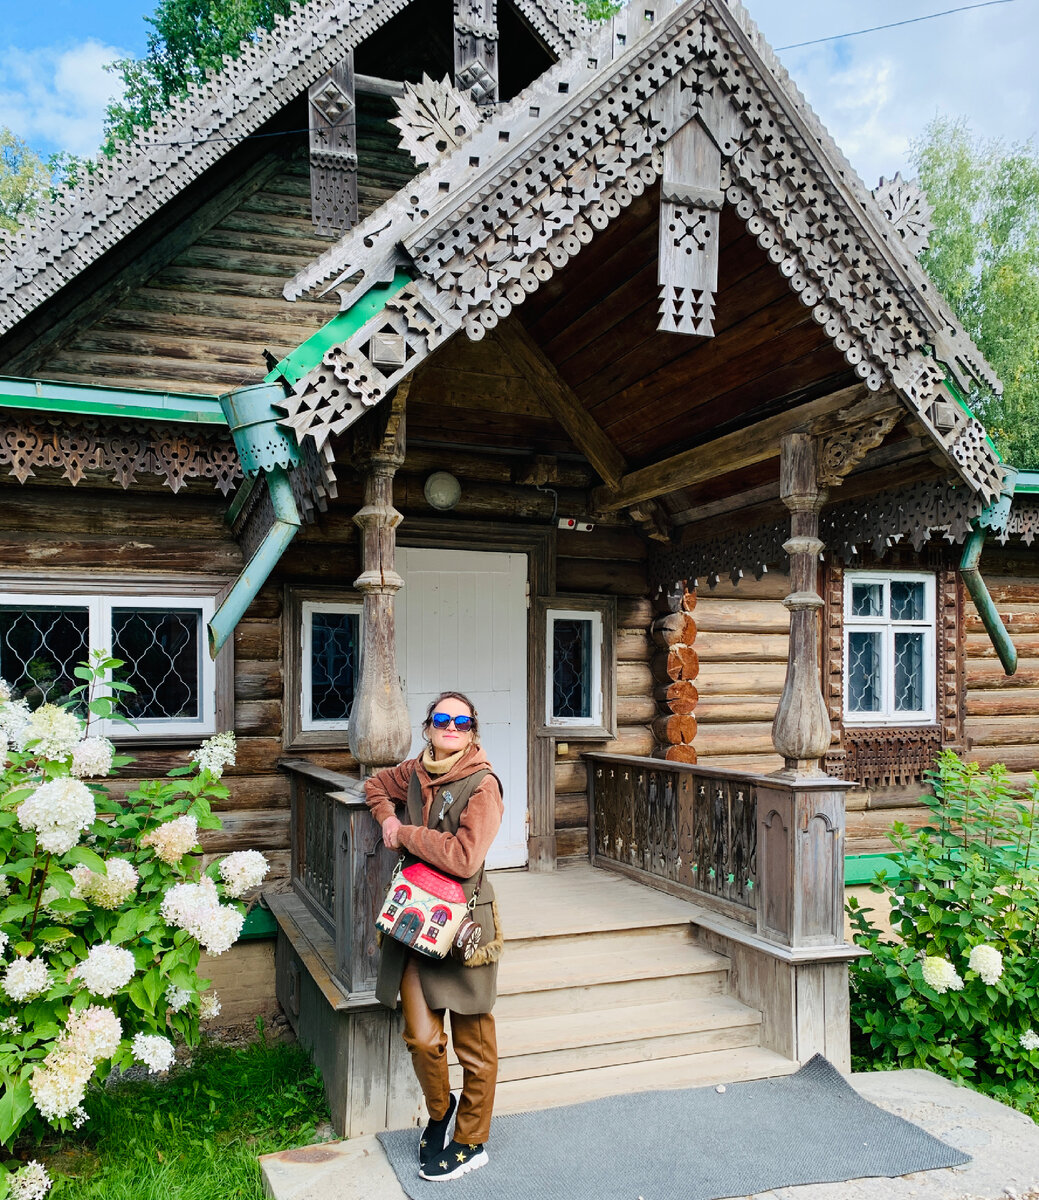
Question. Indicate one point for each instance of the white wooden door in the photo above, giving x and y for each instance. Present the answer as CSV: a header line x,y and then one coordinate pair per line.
x,y
462,626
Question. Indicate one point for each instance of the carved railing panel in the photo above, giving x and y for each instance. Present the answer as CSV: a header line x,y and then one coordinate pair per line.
x,y
315,872
692,827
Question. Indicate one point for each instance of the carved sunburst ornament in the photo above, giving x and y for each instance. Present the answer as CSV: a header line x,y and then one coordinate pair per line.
x,y
434,118
906,206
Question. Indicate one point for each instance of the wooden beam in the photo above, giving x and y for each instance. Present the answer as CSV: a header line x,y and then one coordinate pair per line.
x,y
559,398
732,452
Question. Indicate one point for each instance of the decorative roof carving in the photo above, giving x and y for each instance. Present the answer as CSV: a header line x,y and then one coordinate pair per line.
x,y
488,224
906,206
123,191
435,118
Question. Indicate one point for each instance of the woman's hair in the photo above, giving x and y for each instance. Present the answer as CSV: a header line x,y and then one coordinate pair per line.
x,y
452,696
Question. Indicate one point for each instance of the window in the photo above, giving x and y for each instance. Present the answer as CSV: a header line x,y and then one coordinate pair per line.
x,y
45,635
578,657
322,665
889,648
330,661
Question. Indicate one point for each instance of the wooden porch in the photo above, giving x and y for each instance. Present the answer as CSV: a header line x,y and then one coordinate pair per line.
x,y
702,942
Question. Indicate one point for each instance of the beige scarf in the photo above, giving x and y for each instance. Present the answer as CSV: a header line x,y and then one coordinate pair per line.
x,y
440,766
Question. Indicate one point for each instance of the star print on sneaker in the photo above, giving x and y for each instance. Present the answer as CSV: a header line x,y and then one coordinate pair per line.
x,y
458,1159
436,1135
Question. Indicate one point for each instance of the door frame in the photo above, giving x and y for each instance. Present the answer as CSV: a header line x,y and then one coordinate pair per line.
x,y
538,543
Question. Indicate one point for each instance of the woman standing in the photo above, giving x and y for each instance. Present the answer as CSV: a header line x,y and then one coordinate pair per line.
x,y
452,811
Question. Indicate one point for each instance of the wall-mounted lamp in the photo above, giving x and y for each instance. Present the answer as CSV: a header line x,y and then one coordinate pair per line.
x,y
442,491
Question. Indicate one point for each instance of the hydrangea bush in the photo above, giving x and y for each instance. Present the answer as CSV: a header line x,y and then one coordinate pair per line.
x,y
958,992
104,912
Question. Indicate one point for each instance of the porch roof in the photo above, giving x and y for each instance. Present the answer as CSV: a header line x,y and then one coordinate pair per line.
x,y
487,225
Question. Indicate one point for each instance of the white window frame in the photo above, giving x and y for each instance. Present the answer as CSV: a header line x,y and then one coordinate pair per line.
x,y
99,605
307,723
594,618
887,715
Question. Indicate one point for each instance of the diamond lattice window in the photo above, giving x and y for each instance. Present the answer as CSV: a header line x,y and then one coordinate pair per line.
x,y
574,656
331,663
889,648
161,641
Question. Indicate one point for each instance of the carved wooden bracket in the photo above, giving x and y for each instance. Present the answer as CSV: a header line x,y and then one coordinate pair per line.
x,y
476,50
841,452
434,118
333,148
690,206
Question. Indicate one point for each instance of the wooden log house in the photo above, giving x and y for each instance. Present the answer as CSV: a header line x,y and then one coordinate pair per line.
x,y
572,366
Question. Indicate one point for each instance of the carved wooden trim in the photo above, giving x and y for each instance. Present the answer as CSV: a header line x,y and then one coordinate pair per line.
x,y
332,105
124,450
476,50
841,452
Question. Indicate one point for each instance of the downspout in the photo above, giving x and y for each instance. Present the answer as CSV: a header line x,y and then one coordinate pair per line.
x,y
995,518
263,446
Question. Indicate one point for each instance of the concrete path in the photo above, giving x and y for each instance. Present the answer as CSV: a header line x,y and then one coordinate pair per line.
x,y
1004,1144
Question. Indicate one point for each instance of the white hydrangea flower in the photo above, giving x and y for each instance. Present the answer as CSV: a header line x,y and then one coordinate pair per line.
x,y
178,997
216,753
5,691
92,758
154,1051
94,1032
174,839
14,723
4,939
209,1006
106,969
196,908
59,1083
987,961
1029,1040
242,870
106,891
941,975
50,894
25,978
10,1025
58,811
30,1183
5,887
55,731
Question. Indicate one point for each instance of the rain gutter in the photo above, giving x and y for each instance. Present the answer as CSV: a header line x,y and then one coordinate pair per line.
x,y
42,395
263,446
994,518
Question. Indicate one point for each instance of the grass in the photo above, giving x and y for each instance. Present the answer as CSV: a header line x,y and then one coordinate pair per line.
x,y
195,1136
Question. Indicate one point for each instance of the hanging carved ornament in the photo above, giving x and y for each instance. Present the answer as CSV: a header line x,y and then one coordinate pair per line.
x,y
841,452
434,119
78,447
476,49
1023,521
333,149
906,206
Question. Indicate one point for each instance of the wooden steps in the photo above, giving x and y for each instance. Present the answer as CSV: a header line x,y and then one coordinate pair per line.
x,y
602,990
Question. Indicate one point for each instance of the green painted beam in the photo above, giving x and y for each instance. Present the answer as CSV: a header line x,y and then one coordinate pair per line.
x,y
1027,481
41,395
341,328
861,869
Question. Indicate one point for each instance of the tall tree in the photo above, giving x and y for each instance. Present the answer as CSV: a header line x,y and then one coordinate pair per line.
x,y
984,257
24,180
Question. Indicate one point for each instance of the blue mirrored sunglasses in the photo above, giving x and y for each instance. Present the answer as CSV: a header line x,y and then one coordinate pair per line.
x,y
442,720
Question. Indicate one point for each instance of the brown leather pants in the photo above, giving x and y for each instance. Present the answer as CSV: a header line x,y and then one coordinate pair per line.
x,y
475,1044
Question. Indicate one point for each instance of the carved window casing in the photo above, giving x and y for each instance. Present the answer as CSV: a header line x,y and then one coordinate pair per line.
x,y
323,662
891,752
575,657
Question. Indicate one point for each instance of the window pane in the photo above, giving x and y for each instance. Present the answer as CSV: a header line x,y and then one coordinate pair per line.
x,y
867,599
907,600
161,650
863,672
39,647
909,672
571,668
333,665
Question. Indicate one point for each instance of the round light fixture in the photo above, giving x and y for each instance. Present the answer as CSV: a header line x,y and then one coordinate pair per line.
x,y
442,490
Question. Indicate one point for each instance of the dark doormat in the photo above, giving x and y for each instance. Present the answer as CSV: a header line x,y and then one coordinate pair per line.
x,y
694,1144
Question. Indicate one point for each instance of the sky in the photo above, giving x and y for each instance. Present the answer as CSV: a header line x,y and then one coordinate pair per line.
x,y
874,93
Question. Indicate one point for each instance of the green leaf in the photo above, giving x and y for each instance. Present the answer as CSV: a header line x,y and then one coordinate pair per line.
x,y
85,857
15,1102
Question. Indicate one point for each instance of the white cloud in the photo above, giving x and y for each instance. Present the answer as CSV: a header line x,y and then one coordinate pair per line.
x,y
55,97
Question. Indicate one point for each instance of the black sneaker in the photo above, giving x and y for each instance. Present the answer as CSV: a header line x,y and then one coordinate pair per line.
x,y
457,1159
436,1135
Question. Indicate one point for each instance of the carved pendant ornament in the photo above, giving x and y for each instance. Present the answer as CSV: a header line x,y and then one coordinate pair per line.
x,y
333,148
491,221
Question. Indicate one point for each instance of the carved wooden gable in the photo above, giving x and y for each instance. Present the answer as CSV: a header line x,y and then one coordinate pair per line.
x,y
682,91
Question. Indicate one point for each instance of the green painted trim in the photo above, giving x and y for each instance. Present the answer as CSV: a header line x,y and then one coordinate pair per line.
x,y
341,328
1027,481
41,395
259,923
860,869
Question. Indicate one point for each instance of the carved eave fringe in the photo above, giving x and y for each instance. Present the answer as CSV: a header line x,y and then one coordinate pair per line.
x,y
491,222
119,193
912,516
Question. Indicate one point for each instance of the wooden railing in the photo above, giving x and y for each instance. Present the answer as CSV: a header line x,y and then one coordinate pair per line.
x,y
764,849
340,869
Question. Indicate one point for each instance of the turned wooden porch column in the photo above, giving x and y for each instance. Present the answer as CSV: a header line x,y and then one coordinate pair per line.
x,y
801,730
380,732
